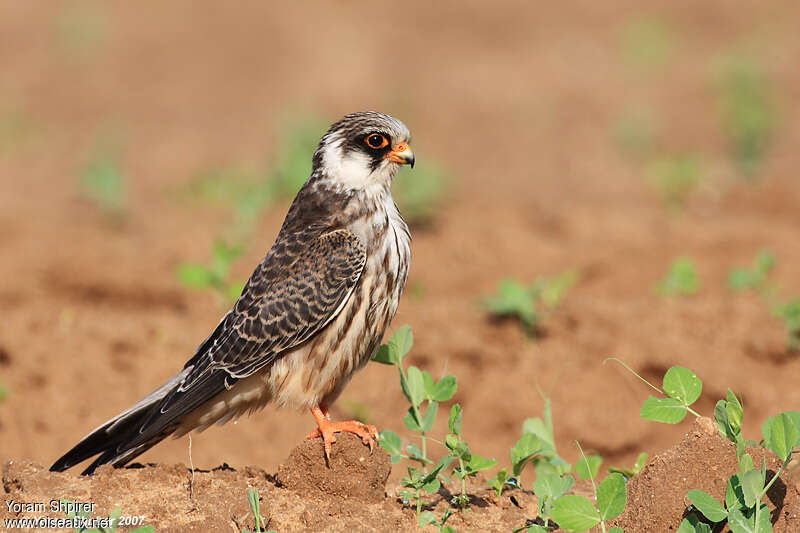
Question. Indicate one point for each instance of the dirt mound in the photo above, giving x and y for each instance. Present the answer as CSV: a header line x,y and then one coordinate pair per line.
x,y
702,460
351,495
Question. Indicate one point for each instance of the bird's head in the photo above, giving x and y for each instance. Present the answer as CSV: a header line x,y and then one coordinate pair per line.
x,y
363,151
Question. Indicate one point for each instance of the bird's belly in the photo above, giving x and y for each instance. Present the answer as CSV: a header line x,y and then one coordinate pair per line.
x,y
318,370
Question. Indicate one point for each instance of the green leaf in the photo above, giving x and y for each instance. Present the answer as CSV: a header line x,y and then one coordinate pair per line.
x,y
575,513
415,386
666,410
780,435
524,450
535,528
391,442
401,342
734,497
723,421
195,276
445,389
498,482
430,416
427,517
641,461
683,385
457,447
752,483
454,423
385,356
588,467
611,496
151,529
552,486
477,463
734,409
411,420
692,524
707,505
538,427
745,463
616,529
739,523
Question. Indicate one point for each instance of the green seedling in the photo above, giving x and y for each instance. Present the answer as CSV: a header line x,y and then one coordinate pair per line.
x,y
675,178
646,41
215,277
103,182
588,467
748,113
577,513
419,192
530,304
681,388
255,508
537,447
789,313
756,276
744,509
628,473
424,395
681,279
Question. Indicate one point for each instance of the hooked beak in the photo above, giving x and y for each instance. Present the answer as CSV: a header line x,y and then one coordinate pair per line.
x,y
401,154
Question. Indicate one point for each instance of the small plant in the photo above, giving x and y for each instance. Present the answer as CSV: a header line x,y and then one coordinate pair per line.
x,y
103,182
628,473
789,313
255,508
675,178
577,513
743,509
215,277
530,304
419,192
681,279
757,278
748,113
424,395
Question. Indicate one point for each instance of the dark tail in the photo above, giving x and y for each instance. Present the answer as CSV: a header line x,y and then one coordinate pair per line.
x,y
118,441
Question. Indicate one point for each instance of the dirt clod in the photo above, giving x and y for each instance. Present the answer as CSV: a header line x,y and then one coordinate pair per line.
x,y
701,460
354,472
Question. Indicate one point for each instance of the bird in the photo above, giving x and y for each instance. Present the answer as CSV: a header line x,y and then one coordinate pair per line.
x,y
312,313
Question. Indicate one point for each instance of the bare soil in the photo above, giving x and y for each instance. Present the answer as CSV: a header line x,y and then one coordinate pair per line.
x,y
520,101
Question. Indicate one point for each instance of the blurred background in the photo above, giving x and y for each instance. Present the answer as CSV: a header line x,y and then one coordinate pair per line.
x,y
613,162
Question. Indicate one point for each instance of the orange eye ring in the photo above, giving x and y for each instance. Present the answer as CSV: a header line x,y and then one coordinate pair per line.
x,y
376,141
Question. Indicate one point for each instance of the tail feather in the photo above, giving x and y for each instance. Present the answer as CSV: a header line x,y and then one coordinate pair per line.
x,y
117,440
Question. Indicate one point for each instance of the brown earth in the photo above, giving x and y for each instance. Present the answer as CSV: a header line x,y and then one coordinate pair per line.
x,y
350,495
521,101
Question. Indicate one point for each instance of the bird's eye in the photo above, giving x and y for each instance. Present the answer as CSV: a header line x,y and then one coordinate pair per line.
x,y
376,141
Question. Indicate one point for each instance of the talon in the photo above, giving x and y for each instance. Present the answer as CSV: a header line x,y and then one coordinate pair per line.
x,y
326,430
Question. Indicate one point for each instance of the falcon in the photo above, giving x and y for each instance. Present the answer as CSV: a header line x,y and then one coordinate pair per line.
x,y
312,313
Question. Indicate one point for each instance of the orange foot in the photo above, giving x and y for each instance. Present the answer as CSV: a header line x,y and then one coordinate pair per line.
x,y
327,429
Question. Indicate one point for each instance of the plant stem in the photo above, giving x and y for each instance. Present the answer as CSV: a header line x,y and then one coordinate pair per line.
x,y
768,485
463,480
422,437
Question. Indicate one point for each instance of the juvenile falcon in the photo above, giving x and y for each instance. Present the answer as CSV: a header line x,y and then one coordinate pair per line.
x,y
312,313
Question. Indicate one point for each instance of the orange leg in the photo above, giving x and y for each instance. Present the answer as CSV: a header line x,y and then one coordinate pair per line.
x,y
326,429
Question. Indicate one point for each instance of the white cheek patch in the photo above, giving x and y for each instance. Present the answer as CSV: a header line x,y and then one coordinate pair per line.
x,y
353,170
